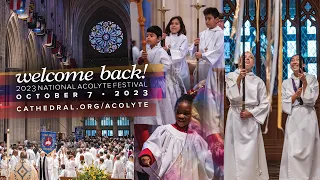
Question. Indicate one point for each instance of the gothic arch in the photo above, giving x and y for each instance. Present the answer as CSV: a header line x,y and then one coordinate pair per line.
x,y
32,58
15,56
82,13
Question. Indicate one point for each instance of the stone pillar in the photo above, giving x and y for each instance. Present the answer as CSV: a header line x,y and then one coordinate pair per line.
x,y
135,28
131,126
33,129
115,127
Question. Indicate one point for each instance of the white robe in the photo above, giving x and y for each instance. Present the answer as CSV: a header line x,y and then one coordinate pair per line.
x,y
213,40
178,46
178,155
71,171
50,166
13,162
118,170
31,156
55,169
88,158
93,151
109,165
4,167
244,149
301,149
209,102
130,170
164,106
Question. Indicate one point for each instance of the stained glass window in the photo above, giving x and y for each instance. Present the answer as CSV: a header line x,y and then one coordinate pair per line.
x,y
123,121
106,37
91,132
123,132
108,133
106,121
292,30
90,121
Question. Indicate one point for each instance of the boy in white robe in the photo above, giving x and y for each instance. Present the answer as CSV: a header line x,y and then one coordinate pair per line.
x,y
173,151
176,44
301,149
244,149
164,107
211,45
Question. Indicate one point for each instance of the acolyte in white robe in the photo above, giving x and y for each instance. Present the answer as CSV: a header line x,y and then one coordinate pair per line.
x,y
178,155
178,46
118,170
72,166
109,165
213,41
245,157
301,149
130,170
165,106
55,169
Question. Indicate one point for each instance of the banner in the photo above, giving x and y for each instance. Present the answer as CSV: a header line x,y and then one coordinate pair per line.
x,y
48,141
79,133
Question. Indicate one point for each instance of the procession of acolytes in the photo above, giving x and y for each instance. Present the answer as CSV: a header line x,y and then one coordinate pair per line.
x,y
185,139
71,156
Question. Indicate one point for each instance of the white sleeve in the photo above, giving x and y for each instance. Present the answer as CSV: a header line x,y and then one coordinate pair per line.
x,y
165,60
286,99
311,93
205,157
214,55
155,142
180,54
261,111
232,90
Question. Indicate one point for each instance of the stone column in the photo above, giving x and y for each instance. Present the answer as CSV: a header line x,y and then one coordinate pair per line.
x,y
115,127
33,129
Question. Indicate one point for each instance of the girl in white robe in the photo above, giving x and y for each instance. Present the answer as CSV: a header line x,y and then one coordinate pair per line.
x,y
211,45
176,44
244,149
175,152
301,149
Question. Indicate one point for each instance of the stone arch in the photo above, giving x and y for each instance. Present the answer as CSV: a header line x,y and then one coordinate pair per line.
x,y
82,13
15,46
32,58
